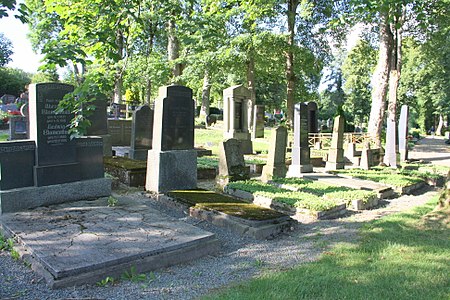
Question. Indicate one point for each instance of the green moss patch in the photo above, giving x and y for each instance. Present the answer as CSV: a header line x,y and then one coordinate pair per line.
x,y
124,163
210,200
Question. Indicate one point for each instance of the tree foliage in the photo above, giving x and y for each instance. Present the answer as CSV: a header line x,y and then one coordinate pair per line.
x,y
5,50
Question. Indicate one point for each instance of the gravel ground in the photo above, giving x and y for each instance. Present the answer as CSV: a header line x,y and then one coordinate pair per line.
x,y
240,258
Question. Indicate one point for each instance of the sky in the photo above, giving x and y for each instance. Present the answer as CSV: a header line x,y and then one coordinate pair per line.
x,y
23,58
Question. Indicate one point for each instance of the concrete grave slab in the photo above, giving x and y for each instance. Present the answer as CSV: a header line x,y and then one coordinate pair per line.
x,y
86,241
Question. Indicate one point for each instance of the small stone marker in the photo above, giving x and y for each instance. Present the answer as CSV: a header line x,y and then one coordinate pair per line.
x,y
99,123
120,131
390,155
141,132
55,151
403,133
301,161
258,122
366,157
276,162
231,163
335,159
235,116
18,128
172,162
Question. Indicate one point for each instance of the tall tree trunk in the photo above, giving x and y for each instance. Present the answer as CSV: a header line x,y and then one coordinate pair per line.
x,y
251,87
148,81
206,92
118,80
394,80
380,81
290,75
173,51
440,125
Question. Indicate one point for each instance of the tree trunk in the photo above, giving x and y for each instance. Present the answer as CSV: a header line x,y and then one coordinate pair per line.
x,y
173,51
251,87
118,80
206,92
290,75
380,81
440,125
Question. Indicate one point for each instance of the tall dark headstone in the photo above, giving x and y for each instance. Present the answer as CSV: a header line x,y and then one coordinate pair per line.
x,y
141,133
258,122
276,161
335,159
236,101
301,161
55,151
172,162
99,123
403,133
312,117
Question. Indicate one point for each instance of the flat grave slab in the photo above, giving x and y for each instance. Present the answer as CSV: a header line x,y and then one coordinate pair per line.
x,y
86,241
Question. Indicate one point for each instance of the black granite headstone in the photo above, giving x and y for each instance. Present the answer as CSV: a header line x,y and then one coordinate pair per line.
x,y
18,128
90,157
55,151
141,132
312,117
16,164
99,117
174,119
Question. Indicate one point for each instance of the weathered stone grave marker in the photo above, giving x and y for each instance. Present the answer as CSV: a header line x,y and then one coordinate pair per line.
x,y
366,157
18,128
258,122
301,161
141,132
235,116
276,161
403,133
172,162
390,155
231,163
335,159
99,123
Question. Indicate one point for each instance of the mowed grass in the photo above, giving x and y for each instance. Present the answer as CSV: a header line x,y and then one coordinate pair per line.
x,y
403,256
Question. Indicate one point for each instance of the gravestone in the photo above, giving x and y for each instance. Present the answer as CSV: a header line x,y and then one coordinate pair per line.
x,y
301,161
335,159
258,122
390,155
99,123
51,168
366,157
172,162
55,151
24,112
403,133
313,125
18,128
231,163
235,116
141,132
120,131
276,161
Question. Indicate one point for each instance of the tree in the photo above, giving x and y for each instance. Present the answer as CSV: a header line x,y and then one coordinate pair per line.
x,y
13,81
5,50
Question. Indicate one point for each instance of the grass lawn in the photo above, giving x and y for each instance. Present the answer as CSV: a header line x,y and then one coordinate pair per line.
x,y
402,256
4,137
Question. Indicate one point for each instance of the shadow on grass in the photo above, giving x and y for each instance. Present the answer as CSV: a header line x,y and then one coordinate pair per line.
x,y
399,257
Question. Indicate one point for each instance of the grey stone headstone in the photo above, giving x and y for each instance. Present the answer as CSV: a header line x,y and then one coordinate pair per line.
x,y
173,127
231,163
276,161
390,155
55,151
301,161
335,159
236,100
141,132
366,157
120,131
16,164
258,122
403,133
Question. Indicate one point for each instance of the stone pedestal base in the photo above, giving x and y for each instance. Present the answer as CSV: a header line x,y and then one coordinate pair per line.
x,y
107,144
171,170
138,154
56,174
297,170
334,165
268,172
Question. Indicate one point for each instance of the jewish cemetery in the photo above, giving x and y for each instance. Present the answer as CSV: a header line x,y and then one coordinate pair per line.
x,y
226,150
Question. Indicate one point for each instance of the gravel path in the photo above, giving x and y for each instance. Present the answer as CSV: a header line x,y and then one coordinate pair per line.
x,y
240,258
